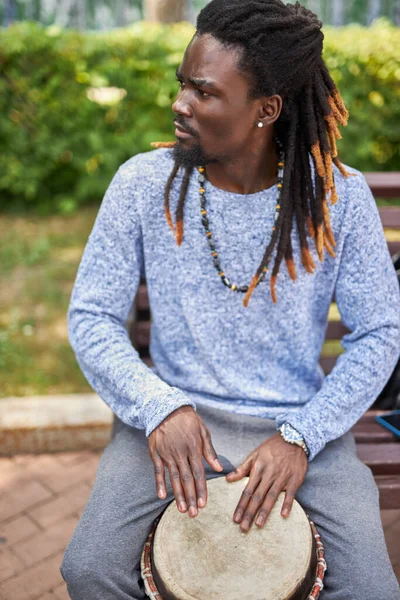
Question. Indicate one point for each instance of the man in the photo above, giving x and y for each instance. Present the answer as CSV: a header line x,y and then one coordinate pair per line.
x,y
247,181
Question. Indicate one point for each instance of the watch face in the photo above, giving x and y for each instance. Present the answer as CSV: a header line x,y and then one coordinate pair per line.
x,y
291,434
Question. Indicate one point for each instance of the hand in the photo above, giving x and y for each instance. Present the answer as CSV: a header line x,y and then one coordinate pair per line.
x,y
179,443
275,465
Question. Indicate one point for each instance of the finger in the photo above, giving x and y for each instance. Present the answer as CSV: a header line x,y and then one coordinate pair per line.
x,y
241,471
288,502
246,497
254,504
188,484
175,478
209,451
199,476
268,504
159,470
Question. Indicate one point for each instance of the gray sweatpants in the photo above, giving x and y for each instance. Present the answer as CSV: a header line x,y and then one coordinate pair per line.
x,y
102,560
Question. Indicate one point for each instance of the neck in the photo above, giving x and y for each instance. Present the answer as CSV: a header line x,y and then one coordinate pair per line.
x,y
246,175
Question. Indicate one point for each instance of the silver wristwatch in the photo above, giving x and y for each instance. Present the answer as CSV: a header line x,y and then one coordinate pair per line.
x,y
291,435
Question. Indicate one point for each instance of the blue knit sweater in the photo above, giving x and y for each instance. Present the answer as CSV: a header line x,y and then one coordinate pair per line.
x,y
206,346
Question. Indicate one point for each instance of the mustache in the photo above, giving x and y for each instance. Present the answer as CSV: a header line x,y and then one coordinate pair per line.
x,y
186,127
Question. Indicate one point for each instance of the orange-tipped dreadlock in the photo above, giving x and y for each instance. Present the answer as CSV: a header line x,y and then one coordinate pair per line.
x,y
162,144
280,53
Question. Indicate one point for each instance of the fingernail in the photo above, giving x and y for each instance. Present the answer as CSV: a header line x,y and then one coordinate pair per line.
x,y
201,502
285,512
192,511
218,462
183,506
259,521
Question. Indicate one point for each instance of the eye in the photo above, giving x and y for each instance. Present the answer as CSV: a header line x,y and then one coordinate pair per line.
x,y
199,92
203,94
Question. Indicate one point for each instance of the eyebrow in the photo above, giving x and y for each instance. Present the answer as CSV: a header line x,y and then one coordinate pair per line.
x,y
197,81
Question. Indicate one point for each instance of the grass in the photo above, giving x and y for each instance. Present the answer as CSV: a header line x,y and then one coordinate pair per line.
x,y
39,257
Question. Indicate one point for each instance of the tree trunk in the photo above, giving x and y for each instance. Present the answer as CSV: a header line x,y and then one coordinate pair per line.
x,y
166,11
62,12
10,12
396,17
189,12
81,15
338,13
374,10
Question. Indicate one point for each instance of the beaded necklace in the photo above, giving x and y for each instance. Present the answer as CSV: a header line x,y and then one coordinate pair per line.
x,y
204,220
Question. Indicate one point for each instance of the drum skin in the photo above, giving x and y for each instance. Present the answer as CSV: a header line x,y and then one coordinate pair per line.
x,y
208,557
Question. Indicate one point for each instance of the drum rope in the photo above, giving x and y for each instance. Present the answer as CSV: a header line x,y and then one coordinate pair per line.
x,y
321,564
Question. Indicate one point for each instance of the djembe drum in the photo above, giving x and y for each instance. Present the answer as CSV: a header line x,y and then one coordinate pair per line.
x,y
208,557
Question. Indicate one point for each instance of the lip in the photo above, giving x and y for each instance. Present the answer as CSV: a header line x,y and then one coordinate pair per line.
x,y
181,133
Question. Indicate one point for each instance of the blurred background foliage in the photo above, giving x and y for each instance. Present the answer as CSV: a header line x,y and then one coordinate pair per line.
x,y
106,14
75,105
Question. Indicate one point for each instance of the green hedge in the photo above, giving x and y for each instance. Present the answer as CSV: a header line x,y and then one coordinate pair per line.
x,y
59,146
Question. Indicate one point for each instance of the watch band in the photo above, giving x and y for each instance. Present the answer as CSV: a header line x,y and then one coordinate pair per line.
x,y
291,435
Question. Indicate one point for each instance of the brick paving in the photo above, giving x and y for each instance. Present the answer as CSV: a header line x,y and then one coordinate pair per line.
x,y
41,499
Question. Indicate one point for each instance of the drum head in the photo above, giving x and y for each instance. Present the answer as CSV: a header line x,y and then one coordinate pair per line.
x,y
208,557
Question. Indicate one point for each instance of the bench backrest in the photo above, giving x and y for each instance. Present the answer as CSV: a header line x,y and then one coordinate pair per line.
x,y
383,185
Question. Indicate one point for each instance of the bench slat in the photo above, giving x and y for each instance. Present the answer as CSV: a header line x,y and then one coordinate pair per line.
x,y
370,415
142,298
370,432
327,363
389,492
141,335
382,459
384,183
147,361
393,247
390,216
335,330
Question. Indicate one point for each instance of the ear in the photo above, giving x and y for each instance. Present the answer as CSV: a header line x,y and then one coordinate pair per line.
x,y
270,109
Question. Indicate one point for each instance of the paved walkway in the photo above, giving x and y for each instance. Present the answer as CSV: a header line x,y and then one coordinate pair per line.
x,y
41,499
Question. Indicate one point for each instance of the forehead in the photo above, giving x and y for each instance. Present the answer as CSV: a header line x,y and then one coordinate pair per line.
x,y
206,58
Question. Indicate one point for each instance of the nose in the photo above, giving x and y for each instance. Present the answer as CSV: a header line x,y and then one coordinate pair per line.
x,y
182,107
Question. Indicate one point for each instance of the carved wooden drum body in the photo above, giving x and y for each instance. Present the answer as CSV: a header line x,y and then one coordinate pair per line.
x,y
208,557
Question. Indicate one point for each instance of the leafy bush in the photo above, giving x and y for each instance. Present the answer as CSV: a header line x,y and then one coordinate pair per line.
x,y
74,106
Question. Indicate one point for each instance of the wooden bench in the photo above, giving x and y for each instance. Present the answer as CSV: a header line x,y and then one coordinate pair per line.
x,y
376,446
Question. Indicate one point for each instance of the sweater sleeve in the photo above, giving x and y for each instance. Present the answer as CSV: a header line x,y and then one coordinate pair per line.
x,y
368,298
105,287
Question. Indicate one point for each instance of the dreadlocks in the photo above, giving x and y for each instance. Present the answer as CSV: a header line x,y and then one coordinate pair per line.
x,y
281,47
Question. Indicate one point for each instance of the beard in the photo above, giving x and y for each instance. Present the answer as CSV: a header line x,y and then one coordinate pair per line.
x,y
192,156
